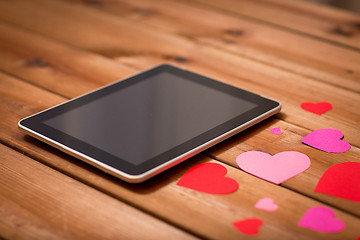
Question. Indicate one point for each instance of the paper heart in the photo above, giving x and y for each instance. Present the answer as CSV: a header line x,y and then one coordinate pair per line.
x,y
321,219
248,226
318,108
266,204
276,169
341,180
276,131
208,178
327,140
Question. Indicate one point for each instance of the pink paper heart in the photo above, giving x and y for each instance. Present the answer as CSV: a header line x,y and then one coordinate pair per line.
x,y
266,204
327,140
276,169
321,219
276,131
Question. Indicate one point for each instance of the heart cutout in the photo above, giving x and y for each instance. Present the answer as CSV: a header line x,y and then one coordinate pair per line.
x,y
327,140
276,131
321,219
266,204
317,108
341,180
249,226
276,169
208,178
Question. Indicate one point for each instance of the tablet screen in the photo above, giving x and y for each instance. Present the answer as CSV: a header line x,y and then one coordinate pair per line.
x,y
149,117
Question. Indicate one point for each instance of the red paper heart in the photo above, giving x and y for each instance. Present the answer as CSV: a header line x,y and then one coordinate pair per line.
x,y
248,226
208,178
341,180
318,108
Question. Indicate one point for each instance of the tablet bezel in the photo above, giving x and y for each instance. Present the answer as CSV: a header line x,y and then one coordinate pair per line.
x,y
109,163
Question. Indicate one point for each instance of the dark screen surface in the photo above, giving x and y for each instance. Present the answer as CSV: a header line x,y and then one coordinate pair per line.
x,y
141,122
150,117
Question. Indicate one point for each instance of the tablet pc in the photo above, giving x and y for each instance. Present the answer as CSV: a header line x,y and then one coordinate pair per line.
x,y
138,127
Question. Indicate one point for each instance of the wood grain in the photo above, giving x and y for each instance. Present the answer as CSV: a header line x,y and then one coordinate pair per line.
x,y
55,66
291,51
162,47
162,190
311,19
28,38
17,223
38,202
55,50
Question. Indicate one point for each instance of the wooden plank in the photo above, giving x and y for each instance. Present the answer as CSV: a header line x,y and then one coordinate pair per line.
x,y
38,202
105,34
56,67
17,223
162,190
284,49
320,21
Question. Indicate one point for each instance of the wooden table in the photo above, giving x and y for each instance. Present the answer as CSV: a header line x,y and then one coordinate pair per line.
x,y
291,51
